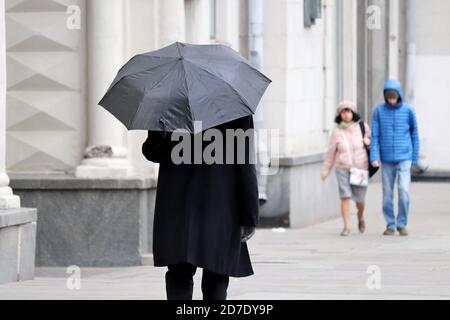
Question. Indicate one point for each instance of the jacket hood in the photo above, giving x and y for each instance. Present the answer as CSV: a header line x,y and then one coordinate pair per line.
x,y
394,85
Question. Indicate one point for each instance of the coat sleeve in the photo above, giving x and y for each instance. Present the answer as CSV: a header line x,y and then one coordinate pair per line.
x,y
375,141
330,156
247,184
414,130
154,148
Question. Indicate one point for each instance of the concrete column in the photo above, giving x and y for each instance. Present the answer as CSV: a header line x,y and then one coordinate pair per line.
x,y
394,14
373,55
171,21
141,36
244,28
377,51
227,20
349,48
106,155
197,21
7,199
150,25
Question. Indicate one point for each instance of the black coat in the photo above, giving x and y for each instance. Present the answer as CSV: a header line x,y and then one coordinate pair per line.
x,y
199,207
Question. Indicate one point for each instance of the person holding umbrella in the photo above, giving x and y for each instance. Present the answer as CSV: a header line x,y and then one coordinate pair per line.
x,y
204,213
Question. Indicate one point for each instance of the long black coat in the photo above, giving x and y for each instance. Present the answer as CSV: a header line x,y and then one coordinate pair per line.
x,y
199,207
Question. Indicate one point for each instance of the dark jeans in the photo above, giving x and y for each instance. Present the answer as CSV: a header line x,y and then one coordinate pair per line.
x,y
180,283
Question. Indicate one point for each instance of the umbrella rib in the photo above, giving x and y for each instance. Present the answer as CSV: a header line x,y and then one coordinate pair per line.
x,y
147,91
259,72
149,56
178,48
246,63
143,55
187,91
137,72
255,70
185,82
229,85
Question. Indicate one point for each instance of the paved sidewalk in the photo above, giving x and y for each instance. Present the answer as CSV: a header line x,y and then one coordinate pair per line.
x,y
313,263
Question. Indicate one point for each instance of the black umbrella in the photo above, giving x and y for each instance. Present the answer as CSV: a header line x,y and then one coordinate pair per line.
x,y
170,88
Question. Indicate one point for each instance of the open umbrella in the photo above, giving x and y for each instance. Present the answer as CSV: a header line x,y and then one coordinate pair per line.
x,y
171,88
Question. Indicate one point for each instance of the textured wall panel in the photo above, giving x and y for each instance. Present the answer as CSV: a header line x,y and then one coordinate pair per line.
x,y
46,86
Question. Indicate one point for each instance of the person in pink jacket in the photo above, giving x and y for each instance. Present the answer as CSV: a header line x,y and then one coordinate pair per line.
x,y
348,149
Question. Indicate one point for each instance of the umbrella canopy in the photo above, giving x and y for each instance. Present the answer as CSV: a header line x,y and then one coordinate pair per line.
x,y
171,88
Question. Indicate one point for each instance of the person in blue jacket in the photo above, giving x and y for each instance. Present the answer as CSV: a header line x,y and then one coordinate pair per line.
x,y
395,147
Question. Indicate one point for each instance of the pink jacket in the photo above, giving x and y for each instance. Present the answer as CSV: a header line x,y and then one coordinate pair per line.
x,y
338,154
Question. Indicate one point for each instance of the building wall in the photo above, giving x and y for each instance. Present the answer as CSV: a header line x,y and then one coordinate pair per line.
x,y
432,100
47,75
300,103
45,86
302,63
47,105
349,51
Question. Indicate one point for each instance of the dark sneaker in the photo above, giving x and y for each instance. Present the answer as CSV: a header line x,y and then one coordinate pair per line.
x,y
389,232
362,226
403,232
345,233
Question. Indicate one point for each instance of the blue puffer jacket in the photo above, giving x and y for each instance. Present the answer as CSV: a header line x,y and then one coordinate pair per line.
x,y
395,135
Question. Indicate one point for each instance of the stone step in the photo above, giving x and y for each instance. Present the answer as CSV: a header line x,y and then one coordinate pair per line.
x,y
17,244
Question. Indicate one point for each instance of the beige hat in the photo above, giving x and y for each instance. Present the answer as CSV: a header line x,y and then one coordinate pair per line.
x,y
346,105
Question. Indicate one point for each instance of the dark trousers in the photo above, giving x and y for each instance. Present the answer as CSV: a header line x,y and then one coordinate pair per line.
x,y
180,283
